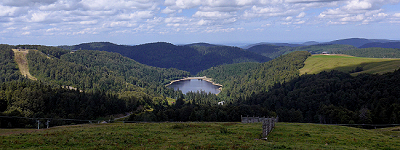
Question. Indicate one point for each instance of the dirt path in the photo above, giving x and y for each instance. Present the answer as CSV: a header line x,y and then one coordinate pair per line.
x,y
127,115
20,58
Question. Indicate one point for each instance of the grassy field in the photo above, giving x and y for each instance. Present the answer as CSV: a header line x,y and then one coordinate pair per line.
x,y
199,136
345,63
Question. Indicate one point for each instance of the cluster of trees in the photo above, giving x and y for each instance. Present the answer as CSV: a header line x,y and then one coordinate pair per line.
x,y
48,50
192,58
192,111
335,97
27,98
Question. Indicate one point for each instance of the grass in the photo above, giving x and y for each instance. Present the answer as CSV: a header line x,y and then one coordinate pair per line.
x,y
346,63
200,136
22,61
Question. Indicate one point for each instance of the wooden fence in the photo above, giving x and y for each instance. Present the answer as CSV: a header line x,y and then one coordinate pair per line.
x,y
267,126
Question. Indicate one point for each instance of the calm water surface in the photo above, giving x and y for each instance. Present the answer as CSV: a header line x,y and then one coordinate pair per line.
x,y
195,85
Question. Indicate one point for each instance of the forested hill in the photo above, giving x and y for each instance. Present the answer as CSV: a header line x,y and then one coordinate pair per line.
x,y
100,70
192,58
242,80
102,83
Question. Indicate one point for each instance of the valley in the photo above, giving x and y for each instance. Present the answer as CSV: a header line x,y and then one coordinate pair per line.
x,y
349,85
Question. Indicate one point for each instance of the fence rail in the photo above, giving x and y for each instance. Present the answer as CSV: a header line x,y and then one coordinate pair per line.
x,y
268,124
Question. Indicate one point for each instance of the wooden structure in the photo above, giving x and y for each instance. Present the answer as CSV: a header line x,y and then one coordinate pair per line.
x,y
267,123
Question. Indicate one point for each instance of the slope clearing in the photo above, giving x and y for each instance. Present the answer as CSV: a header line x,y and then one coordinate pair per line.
x,y
200,136
346,63
20,58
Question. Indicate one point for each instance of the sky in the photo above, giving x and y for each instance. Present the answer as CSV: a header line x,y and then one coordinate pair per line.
x,y
131,22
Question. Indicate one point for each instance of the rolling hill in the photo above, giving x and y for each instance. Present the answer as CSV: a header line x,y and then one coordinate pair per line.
x,y
357,42
192,58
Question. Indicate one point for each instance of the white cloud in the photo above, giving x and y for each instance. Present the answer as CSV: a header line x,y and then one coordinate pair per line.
x,y
75,17
39,16
167,10
357,5
212,15
301,15
7,11
136,15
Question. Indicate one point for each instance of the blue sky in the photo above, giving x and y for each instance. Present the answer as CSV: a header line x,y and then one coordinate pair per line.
x,y
68,22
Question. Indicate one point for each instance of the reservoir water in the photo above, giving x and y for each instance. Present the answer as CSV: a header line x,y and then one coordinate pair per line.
x,y
195,85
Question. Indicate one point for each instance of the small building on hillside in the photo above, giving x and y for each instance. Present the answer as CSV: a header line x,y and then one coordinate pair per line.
x,y
325,53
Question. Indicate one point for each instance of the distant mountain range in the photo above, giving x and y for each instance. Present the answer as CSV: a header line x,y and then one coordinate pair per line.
x,y
356,42
193,57
196,57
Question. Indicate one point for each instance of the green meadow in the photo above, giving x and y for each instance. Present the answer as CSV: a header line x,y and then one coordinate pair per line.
x,y
230,135
346,63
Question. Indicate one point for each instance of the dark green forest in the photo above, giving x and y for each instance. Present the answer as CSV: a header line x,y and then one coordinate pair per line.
x,y
96,70
34,99
335,97
191,58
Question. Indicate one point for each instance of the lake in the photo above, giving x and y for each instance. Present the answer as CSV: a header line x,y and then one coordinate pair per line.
x,y
195,85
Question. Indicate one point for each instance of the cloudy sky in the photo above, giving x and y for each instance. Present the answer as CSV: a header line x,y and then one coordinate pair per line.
x,y
67,22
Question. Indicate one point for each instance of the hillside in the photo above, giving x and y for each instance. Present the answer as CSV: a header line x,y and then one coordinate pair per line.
x,y
335,98
200,136
117,78
192,58
348,64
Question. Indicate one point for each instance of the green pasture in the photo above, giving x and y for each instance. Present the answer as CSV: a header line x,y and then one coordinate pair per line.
x,y
199,136
346,63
